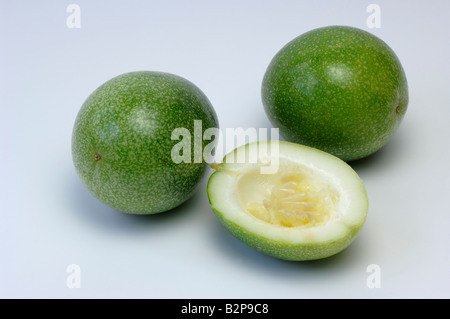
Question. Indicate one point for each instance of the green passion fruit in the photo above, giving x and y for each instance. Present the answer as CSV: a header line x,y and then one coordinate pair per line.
x,y
337,88
122,143
311,207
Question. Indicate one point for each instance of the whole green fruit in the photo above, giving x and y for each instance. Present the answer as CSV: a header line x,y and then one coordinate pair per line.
x,y
122,141
337,88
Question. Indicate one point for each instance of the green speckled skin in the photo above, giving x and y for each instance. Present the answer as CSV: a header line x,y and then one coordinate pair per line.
x,y
121,141
285,250
337,88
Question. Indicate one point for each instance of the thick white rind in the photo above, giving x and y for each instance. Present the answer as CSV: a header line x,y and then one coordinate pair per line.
x,y
351,210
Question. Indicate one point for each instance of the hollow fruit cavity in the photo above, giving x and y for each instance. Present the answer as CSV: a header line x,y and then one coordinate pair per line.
x,y
293,197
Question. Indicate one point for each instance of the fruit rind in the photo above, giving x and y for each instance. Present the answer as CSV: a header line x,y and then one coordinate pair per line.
x,y
286,250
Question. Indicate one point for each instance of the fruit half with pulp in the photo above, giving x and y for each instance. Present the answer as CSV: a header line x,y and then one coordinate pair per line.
x,y
287,200
337,88
122,141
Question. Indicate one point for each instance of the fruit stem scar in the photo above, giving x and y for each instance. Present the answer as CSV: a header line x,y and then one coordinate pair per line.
x,y
221,168
97,157
215,166
397,109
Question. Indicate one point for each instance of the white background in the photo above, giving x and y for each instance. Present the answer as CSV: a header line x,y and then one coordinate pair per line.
x,y
48,219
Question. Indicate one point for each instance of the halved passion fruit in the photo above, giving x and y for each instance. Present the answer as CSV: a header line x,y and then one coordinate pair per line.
x,y
287,200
